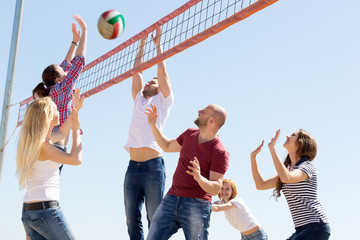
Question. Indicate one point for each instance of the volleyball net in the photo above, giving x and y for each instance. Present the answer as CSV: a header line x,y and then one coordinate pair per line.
x,y
187,26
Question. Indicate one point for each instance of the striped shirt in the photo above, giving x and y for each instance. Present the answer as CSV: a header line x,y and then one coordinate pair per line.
x,y
302,197
61,93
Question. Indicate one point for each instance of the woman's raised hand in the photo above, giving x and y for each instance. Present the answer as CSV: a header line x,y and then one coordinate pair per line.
x,y
257,150
274,139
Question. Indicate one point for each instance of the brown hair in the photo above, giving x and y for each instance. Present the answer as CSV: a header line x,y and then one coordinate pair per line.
x,y
307,147
49,75
233,188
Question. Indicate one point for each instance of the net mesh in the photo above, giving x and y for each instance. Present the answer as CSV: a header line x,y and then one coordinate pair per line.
x,y
186,26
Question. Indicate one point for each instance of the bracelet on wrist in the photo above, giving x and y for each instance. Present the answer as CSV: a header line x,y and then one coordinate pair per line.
x,y
74,43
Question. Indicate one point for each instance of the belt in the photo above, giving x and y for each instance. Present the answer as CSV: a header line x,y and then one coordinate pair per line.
x,y
254,229
40,205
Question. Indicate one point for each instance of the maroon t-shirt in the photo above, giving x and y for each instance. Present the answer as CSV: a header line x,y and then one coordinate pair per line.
x,y
212,156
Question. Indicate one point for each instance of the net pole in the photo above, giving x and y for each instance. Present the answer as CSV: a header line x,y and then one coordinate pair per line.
x,y
10,78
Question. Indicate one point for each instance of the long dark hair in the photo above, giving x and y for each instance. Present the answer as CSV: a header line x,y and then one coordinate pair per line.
x,y
307,148
50,74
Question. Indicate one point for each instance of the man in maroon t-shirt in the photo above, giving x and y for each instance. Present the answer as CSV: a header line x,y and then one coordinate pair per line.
x,y
199,174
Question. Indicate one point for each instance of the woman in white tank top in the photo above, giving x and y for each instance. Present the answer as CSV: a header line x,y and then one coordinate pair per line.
x,y
237,213
38,162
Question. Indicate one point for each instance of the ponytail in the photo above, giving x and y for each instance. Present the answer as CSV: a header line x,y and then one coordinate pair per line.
x,y
40,90
49,75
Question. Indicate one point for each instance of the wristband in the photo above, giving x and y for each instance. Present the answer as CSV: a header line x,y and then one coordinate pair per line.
x,y
74,43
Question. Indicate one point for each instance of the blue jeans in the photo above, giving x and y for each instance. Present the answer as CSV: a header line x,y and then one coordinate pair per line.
x,y
46,224
312,231
258,235
144,181
190,214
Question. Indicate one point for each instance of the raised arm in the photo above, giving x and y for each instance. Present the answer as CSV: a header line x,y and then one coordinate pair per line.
x,y
285,175
50,152
260,183
76,37
68,124
211,185
137,81
166,144
81,49
162,75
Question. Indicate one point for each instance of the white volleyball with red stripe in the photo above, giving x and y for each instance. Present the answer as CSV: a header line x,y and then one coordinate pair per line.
x,y
111,24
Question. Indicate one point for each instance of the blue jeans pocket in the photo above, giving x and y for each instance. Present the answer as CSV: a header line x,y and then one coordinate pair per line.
x,y
201,201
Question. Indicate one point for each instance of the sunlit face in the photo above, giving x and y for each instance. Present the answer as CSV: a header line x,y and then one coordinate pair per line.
x,y
204,116
226,192
151,88
56,117
62,74
291,141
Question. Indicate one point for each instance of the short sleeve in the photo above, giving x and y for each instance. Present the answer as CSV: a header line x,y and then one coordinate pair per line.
x,y
308,168
236,202
220,161
180,139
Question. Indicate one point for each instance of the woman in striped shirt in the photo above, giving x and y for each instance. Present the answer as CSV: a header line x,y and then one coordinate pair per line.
x,y
297,178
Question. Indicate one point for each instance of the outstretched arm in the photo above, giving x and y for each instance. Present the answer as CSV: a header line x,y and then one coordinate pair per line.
x,y
166,144
76,37
162,75
222,207
285,175
260,183
211,185
137,81
81,50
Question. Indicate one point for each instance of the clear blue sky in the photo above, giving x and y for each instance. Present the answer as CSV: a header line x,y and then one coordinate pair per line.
x,y
292,65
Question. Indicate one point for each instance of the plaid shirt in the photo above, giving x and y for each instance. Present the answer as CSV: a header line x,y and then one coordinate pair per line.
x,y
61,93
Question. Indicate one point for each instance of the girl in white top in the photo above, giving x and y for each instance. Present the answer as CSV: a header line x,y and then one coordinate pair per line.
x,y
237,213
297,179
38,162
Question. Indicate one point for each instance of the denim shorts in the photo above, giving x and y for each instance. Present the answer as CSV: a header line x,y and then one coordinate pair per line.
x,y
45,224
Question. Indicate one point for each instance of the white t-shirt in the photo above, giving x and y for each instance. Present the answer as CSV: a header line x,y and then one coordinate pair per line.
x,y
140,134
240,217
43,182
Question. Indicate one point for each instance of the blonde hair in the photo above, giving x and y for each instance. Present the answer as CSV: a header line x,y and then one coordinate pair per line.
x,y
35,126
233,189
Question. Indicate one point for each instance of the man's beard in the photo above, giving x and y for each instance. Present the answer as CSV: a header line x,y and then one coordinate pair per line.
x,y
199,123
150,93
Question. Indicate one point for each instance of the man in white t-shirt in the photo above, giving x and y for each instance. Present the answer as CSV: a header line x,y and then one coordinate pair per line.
x,y
145,176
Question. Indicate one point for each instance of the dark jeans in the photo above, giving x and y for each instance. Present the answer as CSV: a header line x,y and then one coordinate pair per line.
x,y
144,182
312,231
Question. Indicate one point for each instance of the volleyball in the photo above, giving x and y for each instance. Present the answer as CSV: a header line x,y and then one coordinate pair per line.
x,y
111,24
